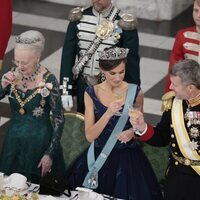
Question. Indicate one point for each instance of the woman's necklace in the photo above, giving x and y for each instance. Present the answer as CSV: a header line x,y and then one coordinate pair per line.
x,y
20,101
26,79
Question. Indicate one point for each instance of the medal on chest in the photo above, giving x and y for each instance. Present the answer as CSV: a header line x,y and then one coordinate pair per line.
x,y
193,123
38,111
105,29
21,111
44,92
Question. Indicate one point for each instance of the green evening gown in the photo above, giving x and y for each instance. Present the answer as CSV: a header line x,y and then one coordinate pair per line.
x,y
32,134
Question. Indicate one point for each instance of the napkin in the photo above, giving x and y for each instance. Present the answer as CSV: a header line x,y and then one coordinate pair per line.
x,y
88,194
16,181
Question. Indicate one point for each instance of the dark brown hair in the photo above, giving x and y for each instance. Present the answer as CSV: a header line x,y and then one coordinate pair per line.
x,y
108,65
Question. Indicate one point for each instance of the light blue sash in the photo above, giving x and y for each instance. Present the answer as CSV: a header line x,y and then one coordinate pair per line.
x,y
91,179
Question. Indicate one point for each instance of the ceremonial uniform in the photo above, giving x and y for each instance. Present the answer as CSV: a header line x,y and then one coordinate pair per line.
x,y
90,32
179,127
5,26
186,46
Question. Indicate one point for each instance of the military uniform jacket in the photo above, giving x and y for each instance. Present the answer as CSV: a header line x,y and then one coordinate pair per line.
x,y
5,26
79,35
186,46
164,133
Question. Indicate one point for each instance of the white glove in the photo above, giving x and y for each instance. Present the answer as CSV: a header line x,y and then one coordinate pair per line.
x,y
67,102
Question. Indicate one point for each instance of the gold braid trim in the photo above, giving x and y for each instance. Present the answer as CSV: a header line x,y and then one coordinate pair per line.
x,y
167,101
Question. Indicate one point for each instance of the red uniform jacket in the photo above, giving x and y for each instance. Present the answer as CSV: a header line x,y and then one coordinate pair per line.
x,y
186,46
5,25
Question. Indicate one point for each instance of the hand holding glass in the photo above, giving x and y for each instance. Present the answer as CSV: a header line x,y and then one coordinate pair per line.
x,y
17,75
134,111
119,98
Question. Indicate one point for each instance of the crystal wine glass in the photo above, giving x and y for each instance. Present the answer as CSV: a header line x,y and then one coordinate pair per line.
x,y
118,97
134,110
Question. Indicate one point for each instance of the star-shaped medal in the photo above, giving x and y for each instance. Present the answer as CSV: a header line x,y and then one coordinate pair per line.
x,y
38,111
194,145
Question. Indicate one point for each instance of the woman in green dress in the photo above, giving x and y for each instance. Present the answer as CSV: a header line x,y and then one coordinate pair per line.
x,y
32,143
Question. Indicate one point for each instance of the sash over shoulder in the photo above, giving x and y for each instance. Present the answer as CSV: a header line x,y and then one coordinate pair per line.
x,y
91,179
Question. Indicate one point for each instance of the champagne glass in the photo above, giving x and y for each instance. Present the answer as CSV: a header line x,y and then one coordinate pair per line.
x,y
118,97
135,110
18,75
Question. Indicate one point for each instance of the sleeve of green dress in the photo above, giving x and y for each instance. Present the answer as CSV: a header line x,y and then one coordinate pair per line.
x,y
57,117
3,91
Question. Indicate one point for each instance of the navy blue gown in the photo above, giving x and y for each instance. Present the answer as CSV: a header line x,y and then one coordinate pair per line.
x,y
126,174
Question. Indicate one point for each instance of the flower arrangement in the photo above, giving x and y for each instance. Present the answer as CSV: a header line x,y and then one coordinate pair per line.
x,y
33,196
13,197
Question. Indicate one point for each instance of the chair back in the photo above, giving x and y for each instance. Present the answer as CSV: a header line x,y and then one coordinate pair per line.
x,y
73,139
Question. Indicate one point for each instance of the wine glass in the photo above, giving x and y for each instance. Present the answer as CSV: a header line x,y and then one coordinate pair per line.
x,y
18,75
134,111
118,97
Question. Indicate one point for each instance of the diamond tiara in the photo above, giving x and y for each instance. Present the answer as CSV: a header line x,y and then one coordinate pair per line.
x,y
115,53
20,40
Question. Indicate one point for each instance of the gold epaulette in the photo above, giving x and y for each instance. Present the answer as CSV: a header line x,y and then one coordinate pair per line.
x,y
167,101
128,22
75,14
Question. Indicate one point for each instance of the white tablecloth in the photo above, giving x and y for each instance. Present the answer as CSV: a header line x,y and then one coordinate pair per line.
x,y
74,194
49,197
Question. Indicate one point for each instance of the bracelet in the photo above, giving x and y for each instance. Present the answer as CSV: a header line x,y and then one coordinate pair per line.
x,y
141,133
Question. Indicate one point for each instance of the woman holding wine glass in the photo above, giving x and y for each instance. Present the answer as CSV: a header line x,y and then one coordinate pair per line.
x,y
114,164
31,146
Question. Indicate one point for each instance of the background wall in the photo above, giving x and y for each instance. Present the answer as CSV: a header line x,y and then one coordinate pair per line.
x,y
146,9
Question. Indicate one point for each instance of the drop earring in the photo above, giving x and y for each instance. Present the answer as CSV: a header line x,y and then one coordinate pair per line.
x,y
103,77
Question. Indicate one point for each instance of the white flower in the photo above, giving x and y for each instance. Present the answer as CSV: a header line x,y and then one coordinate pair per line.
x,y
49,86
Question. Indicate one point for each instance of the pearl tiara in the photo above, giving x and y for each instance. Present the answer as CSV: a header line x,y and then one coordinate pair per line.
x,y
20,40
115,53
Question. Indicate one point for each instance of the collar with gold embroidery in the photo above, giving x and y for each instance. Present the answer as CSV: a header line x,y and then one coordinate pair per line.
x,y
194,102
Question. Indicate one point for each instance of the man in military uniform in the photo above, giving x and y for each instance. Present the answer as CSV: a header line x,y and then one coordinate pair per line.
x,y
179,127
187,43
91,30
